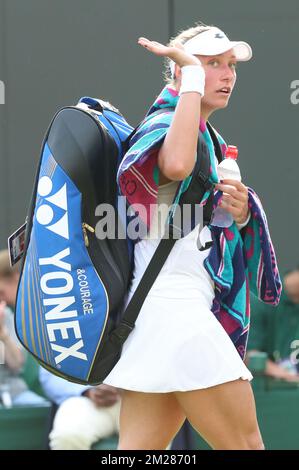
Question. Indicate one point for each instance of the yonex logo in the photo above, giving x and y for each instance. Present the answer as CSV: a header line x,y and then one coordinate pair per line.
x,y
45,212
60,300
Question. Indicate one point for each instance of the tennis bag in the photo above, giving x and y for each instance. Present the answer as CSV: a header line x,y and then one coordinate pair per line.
x,y
72,285
72,288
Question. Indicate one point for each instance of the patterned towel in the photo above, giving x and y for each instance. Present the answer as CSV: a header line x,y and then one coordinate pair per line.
x,y
238,262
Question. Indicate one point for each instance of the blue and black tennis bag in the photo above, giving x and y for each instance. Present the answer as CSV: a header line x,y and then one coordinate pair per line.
x,y
73,284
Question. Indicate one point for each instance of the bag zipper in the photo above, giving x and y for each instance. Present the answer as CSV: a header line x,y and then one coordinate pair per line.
x,y
86,228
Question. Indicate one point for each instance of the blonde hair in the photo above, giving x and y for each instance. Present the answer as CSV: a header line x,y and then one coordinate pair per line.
x,y
182,37
6,270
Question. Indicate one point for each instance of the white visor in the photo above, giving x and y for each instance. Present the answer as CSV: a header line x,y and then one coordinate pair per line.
x,y
214,42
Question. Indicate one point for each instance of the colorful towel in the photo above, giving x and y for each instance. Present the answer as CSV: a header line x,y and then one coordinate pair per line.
x,y
238,262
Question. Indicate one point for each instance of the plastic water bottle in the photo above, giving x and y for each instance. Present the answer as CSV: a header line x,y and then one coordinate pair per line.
x,y
227,169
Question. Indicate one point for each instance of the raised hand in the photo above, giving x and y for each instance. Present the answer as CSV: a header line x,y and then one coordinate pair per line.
x,y
176,52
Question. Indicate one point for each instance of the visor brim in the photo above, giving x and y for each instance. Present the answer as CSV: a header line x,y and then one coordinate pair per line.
x,y
242,50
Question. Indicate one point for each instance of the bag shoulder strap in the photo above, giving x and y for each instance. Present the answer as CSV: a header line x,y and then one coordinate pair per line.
x,y
218,151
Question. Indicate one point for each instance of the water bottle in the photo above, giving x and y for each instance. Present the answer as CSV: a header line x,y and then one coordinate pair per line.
x,y
227,169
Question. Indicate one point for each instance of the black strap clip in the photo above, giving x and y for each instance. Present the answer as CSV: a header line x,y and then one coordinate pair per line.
x,y
204,180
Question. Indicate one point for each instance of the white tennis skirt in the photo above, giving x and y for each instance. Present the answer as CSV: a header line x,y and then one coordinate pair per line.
x,y
177,343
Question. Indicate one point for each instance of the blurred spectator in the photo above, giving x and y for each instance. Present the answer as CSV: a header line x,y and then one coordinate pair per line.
x,y
13,389
275,330
85,414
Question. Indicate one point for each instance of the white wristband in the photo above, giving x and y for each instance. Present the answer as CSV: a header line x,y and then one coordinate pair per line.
x,y
193,79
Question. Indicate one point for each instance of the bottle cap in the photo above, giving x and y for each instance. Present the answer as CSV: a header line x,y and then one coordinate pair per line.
x,y
231,152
